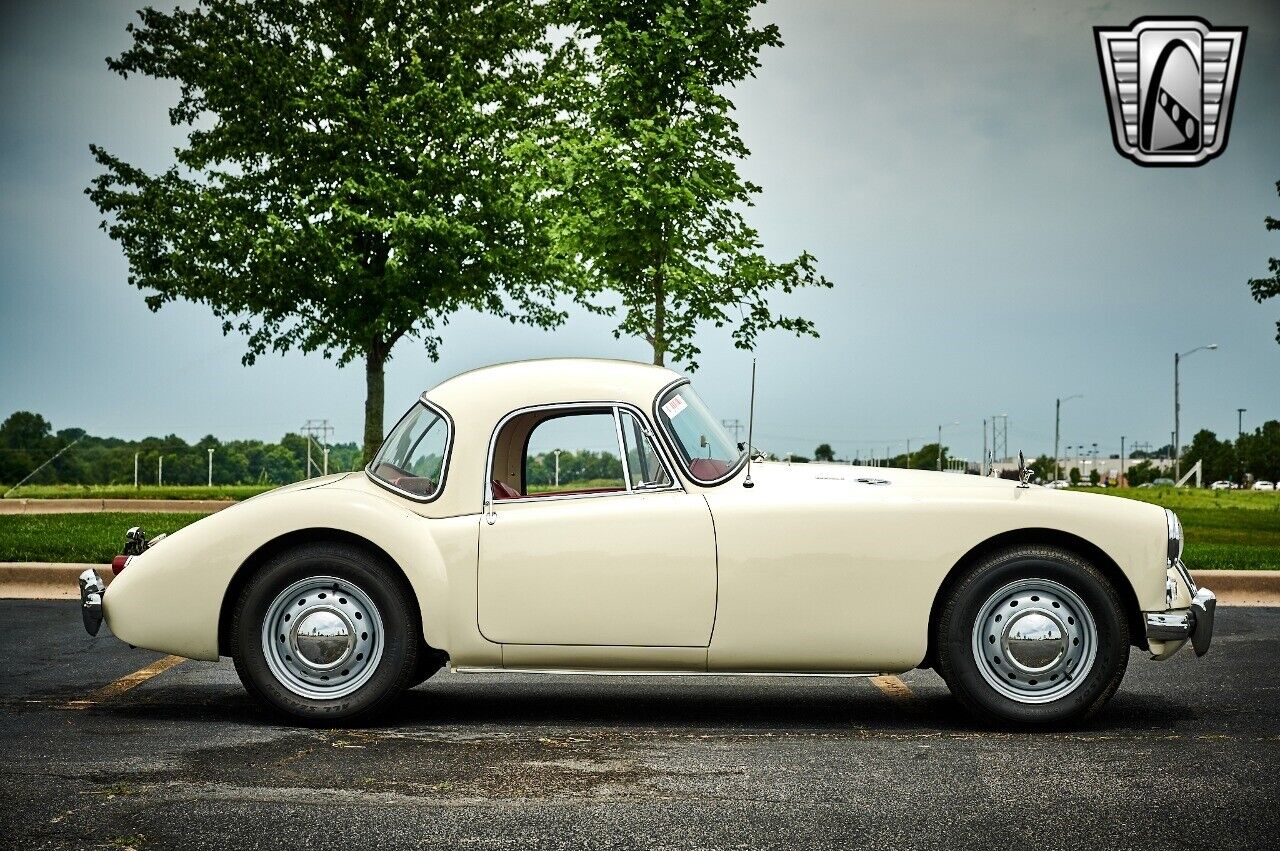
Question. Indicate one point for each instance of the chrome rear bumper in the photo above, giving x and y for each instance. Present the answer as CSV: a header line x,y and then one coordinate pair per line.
x,y
91,590
1196,623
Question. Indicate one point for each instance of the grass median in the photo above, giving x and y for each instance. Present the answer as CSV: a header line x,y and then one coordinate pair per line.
x,y
235,492
81,538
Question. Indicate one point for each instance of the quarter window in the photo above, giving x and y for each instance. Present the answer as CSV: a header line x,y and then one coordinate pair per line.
x,y
413,457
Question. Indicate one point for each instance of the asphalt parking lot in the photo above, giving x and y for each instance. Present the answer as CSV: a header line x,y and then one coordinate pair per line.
x,y
1186,755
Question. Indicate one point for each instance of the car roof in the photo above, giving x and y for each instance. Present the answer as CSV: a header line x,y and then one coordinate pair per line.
x,y
584,378
477,400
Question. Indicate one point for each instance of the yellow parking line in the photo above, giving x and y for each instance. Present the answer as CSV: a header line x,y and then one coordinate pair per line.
x,y
893,687
128,681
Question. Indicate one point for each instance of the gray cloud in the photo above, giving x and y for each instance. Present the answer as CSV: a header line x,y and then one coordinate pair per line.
x,y
949,164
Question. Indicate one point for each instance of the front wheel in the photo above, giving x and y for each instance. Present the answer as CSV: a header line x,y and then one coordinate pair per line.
x,y
325,633
1033,635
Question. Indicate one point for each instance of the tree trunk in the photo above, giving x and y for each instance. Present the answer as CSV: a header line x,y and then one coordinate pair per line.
x,y
659,322
374,401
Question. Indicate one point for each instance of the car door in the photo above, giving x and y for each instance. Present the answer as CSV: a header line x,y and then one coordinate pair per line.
x,y
597,543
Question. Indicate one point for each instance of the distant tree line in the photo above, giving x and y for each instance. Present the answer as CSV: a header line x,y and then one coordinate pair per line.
x,y
582,466
1254,454
27,440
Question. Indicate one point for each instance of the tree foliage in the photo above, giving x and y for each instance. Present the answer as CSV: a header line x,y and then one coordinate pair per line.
x,y
1265,288
824,452
653,198
354,173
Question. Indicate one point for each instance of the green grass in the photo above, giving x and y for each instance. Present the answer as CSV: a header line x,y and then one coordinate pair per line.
x,y
1226,530
88,538
235,492
581,484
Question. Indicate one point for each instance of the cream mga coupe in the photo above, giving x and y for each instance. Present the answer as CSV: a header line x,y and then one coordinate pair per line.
x,y
653,545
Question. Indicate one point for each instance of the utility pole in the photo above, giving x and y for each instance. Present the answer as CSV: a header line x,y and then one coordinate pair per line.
x,y
135,470
985,458
1177,407
1057,428
908,453
557,454
733,425
160,471
1240,422
1123,479
210,468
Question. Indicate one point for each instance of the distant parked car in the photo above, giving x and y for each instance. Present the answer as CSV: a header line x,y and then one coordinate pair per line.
x,y
1221,486
1162,483
1058,484
1264,485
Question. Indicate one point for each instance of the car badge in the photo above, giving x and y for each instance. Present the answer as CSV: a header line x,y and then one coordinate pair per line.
x,y
1170,84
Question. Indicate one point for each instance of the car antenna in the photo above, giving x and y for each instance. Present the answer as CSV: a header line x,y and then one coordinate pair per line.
x,y
751,418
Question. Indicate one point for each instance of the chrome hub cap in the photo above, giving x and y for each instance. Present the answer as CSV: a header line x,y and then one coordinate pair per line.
x,y
1034,641
322,638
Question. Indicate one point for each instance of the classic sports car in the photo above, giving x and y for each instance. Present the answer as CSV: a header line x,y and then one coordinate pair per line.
x,y
593,516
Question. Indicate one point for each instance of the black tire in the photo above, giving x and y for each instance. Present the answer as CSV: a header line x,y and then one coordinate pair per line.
x,y
381,583
954,636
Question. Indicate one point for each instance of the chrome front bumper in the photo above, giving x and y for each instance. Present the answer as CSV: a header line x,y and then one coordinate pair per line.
x,y
1194,624
91,590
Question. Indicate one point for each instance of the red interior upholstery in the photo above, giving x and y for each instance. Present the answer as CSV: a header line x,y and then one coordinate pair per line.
x,y
502,490
707,469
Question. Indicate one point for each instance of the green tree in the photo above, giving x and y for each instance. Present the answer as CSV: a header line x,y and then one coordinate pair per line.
x,y
1074,476
824,452
354,172
1042,468
1265,288
651,189
1094,477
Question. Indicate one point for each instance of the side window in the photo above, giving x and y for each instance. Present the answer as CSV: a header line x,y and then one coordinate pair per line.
x,y
643,464
574,453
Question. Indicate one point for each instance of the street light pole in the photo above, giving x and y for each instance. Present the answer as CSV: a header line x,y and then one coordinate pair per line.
x,y
1240,421
1177,408
210,468
1057,428
940,426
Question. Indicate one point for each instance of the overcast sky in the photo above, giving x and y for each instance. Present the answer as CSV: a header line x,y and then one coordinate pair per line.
x,y
949,164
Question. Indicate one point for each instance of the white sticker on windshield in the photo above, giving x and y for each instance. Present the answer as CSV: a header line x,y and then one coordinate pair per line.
x,y
674,407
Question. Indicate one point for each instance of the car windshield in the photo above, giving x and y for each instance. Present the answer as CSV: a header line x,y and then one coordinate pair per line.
x,y
413,457
708,453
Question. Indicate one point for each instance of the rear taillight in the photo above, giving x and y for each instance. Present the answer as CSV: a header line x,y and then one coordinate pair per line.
x,y
118,564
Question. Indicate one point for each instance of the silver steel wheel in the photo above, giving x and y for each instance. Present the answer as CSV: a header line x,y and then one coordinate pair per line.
x,y
1035,640
322,638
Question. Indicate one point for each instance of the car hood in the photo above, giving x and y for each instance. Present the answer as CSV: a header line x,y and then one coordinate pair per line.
x,y
806,475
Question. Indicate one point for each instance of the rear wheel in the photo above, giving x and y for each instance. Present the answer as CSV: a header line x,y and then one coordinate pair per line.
x,y
325,633
1033,635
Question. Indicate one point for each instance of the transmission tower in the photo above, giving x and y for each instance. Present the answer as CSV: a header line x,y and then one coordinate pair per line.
x,y
1000,436
313,429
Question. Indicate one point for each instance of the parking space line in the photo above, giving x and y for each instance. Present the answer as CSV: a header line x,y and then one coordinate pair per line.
x,y
128,681
893,687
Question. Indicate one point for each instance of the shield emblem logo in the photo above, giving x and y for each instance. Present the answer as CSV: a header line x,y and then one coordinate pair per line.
x,y
1170,84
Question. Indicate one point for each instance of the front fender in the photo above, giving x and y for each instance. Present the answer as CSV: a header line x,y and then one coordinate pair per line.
x,y
170,598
